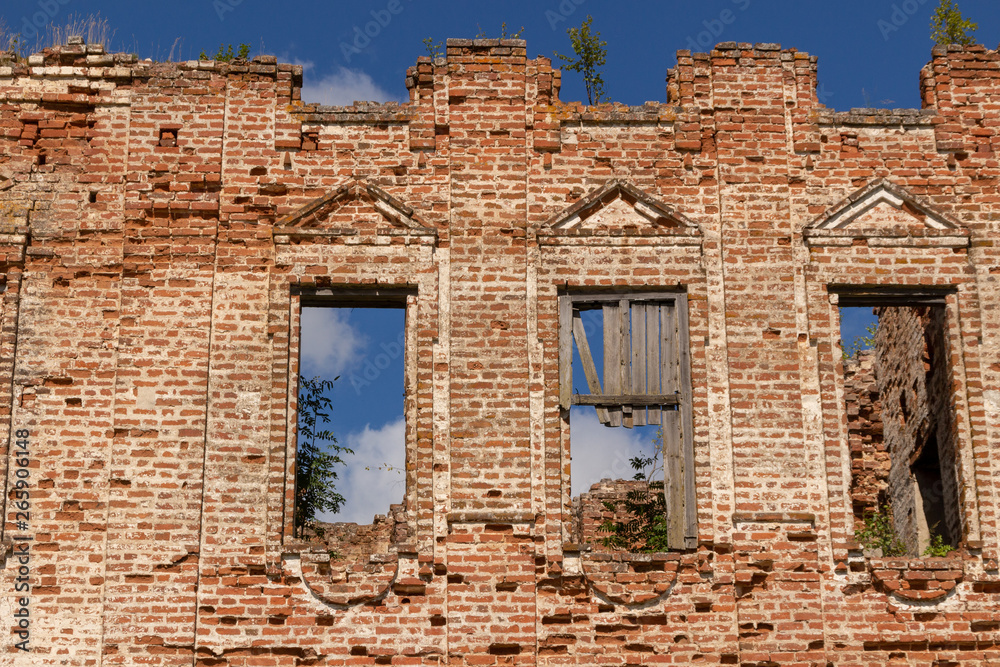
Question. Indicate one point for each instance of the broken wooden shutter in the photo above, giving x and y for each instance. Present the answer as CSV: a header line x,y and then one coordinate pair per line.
x,y
686,409
641,357
647,381
636,362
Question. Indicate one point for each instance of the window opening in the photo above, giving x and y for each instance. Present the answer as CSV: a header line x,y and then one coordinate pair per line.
x,y
358,349
928,487
624,362
900,419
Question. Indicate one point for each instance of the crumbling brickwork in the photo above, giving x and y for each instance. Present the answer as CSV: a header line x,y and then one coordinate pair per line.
x,y
162,223
352,541
870,462
913,382
590,511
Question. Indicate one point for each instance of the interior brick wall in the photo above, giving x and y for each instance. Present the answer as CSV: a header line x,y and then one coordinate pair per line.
x,y
870,462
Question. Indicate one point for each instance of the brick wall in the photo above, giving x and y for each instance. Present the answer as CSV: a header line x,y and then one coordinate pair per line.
x,y
912,378
161,224
870,462
352,541
590,512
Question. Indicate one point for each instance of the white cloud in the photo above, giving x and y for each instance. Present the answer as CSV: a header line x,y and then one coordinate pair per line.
x,y
601,452
341,88
330,345
366,484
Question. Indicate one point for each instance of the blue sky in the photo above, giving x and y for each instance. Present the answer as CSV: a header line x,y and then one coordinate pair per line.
x,y
870,51
870,54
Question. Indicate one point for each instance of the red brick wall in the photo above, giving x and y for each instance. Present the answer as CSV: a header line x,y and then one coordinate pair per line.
x,y
870,461
912,372
150,344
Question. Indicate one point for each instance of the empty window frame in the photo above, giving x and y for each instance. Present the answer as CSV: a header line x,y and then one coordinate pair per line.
x,y
644,379
900,416
358,338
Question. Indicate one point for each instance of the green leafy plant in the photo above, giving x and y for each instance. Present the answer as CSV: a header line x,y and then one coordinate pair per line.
x,y
861,342
948,26
433,48
938,548
878,532
227,54
317,456
645,528
513,35
590,55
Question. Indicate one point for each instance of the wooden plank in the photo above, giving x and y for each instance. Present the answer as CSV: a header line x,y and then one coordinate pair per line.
x,y
668,349
626,399
852,296
612,353
687,424
565,352
646,297
673,478
587,360
624,356
638,368
653,359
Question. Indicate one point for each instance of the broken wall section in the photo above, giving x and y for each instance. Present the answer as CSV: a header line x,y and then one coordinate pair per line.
x,y
590,512
911,364
355,541
870,462
900,428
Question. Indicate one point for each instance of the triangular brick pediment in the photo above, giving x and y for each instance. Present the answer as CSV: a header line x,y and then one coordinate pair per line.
x,y
884,210
357,207
620,209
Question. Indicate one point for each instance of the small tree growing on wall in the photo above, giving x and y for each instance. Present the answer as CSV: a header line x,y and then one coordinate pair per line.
x,y
644,525
591,53
317,455
948,26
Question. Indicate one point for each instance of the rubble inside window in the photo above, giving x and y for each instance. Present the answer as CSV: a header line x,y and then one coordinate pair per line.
x,y
633,352
900,421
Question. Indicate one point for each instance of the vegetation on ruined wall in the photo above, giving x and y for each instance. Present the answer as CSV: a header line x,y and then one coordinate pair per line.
x,y
645,529
878,533
860,343
503,32
591,54
226,53
317,455
948,26
938,548
91,27
433,48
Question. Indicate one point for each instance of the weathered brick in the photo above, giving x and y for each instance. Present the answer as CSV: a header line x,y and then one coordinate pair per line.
x,y
159,223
